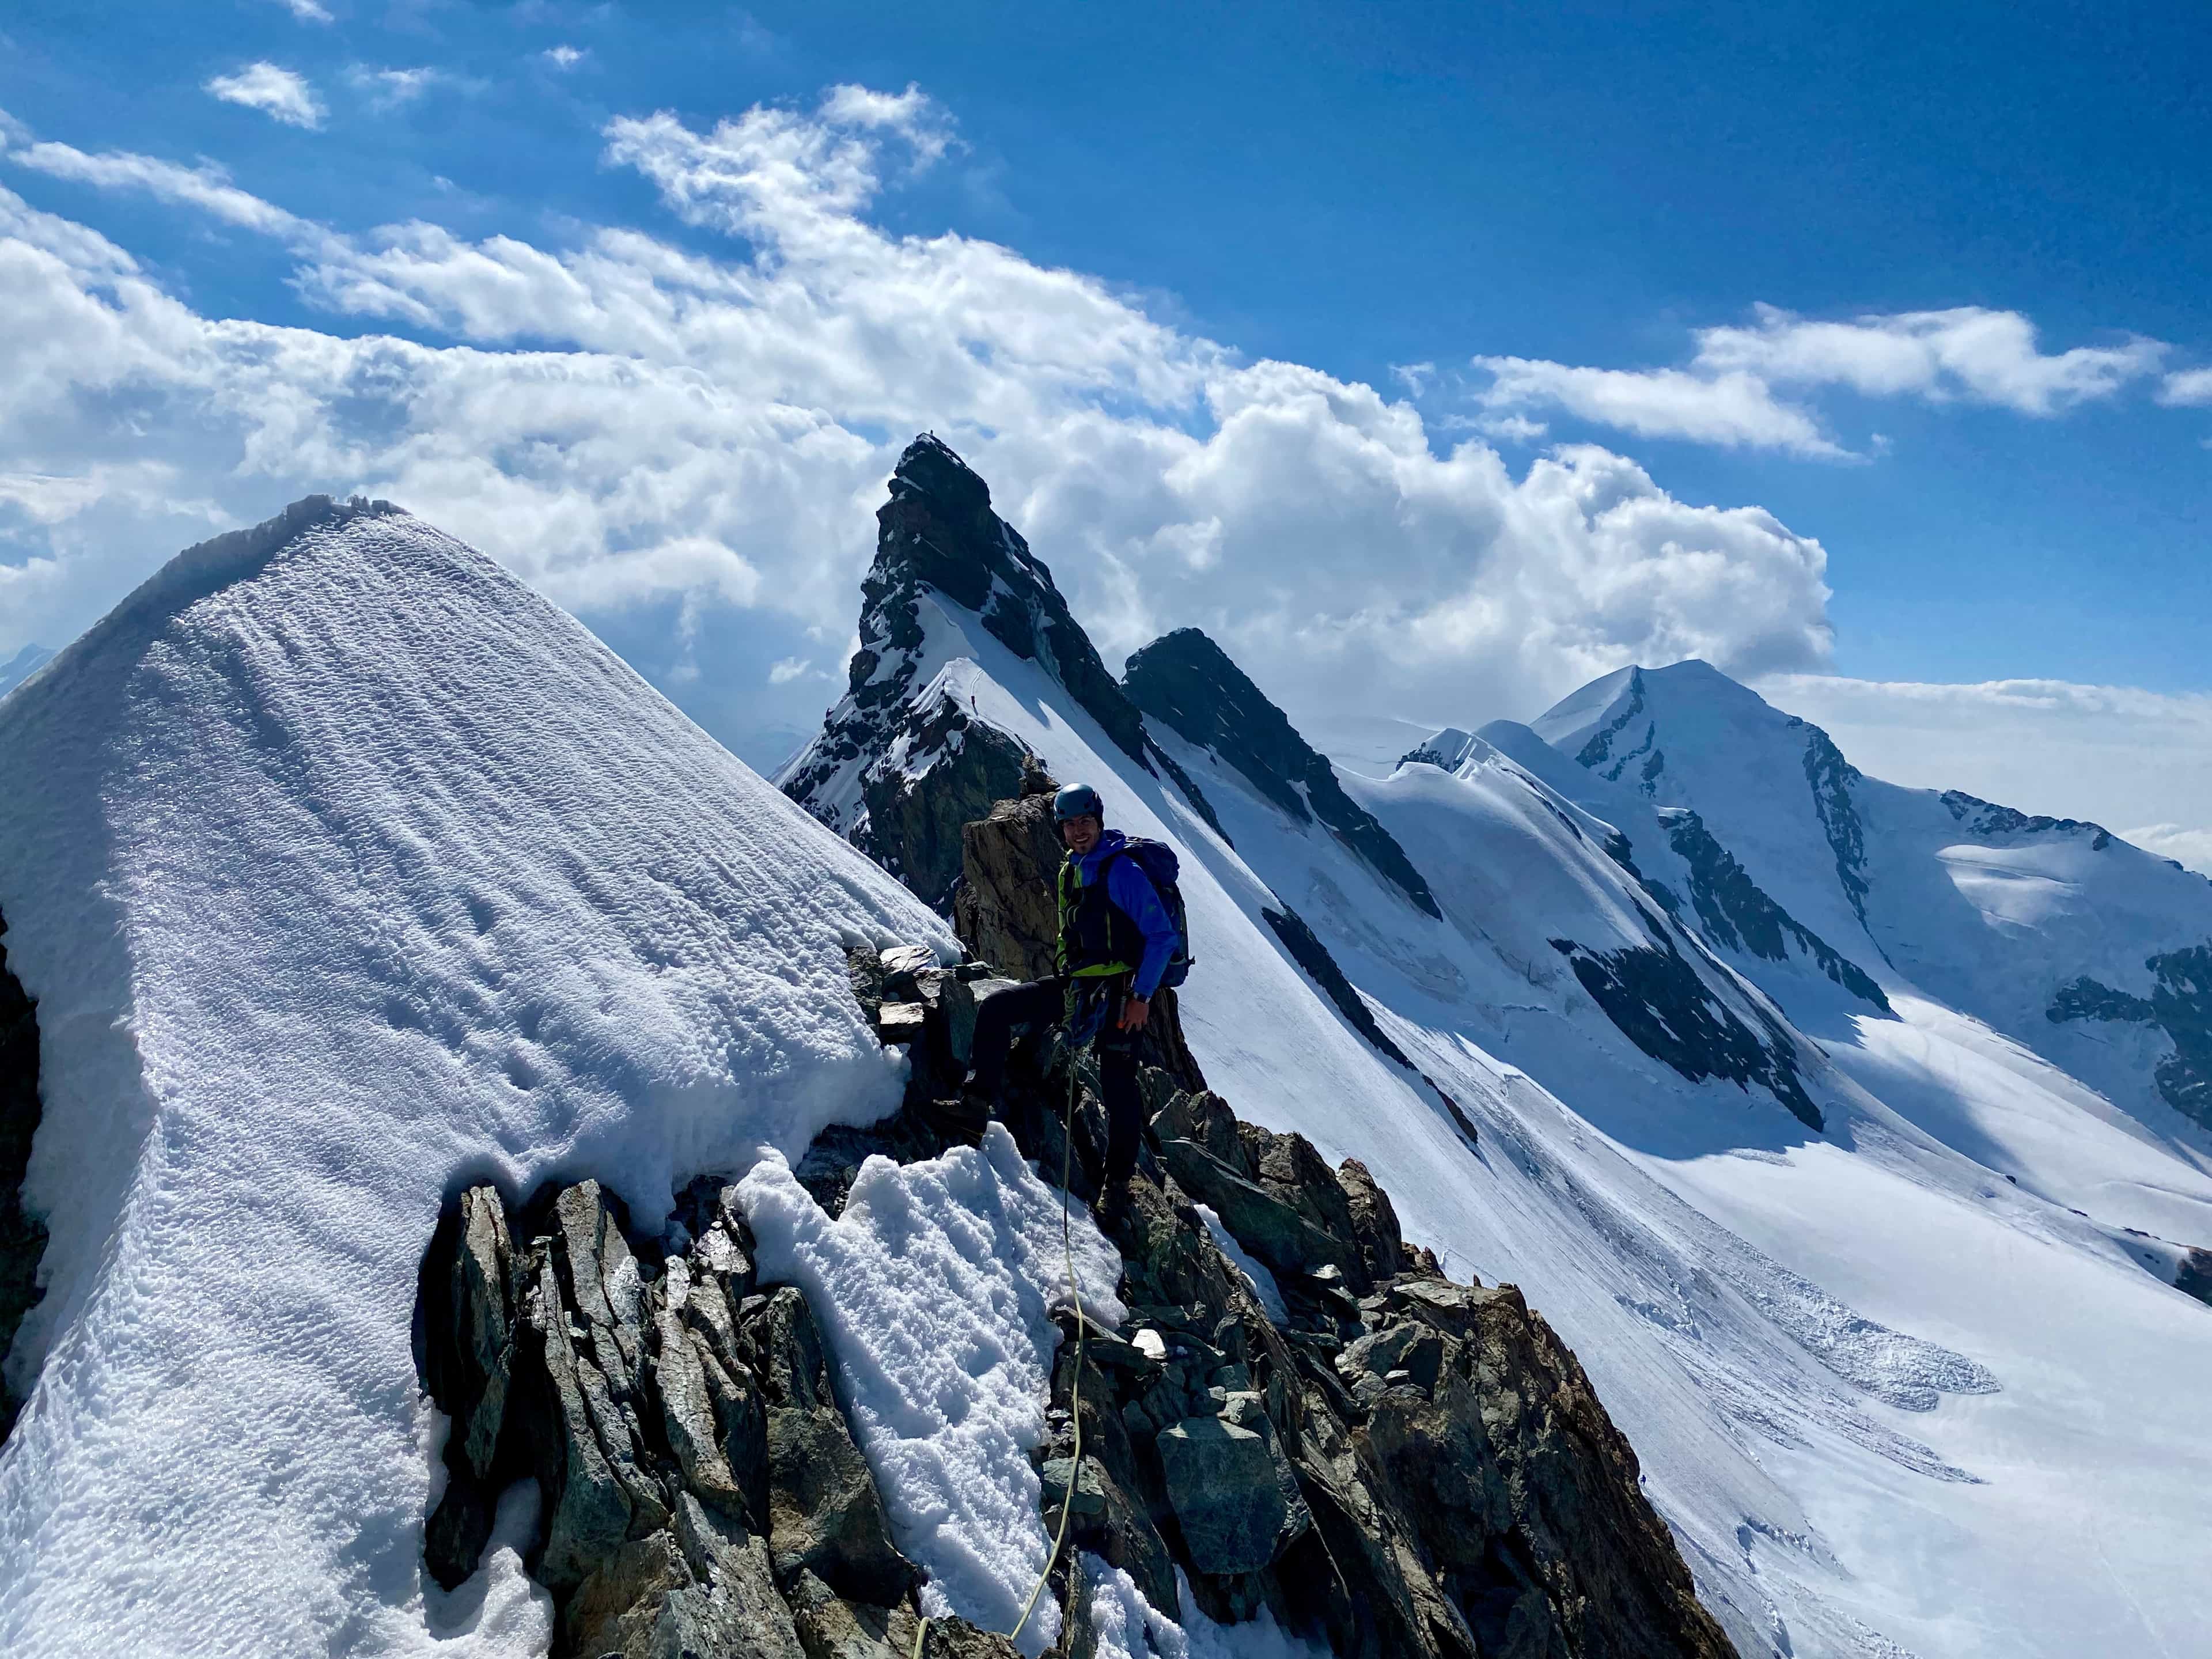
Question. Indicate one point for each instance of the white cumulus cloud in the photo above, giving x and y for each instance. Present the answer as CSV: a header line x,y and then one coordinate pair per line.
x,y
624,420
631,422
564,57
1728,395
2191,848
1734,408
389,88
2189,387
1968,354
205,188
280,94
306,11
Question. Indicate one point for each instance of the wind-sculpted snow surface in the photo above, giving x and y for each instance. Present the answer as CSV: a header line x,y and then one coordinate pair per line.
x,y
933,1288
357,871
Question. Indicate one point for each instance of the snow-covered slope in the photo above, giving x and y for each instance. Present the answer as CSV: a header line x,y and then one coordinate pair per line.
x,y
1890,1400
2066,939
355,871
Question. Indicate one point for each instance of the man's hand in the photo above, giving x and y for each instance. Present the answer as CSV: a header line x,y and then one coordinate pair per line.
x,y
1134,1012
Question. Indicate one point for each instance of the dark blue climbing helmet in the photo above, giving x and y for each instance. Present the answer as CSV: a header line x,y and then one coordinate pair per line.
x,y
1078,800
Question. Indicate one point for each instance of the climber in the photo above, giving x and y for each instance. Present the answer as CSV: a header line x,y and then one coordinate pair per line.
x,y
1116,941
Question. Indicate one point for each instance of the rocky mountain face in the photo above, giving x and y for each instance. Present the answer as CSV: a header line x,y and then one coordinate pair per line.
x,y
1734,912
1391,1461
1657,997
22,1236
701,1492
1401,1464
939,546
1294,1409
905,762
2179,1005
1185,681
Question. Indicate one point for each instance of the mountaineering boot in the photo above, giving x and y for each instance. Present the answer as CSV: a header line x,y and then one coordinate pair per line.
x,y
967,1112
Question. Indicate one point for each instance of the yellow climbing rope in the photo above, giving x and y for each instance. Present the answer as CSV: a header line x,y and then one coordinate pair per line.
x,y
1075,1387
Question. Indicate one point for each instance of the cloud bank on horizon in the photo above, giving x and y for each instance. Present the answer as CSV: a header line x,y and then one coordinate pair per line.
x,y
626,421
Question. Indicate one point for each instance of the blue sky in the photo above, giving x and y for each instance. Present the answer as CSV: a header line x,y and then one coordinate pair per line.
x,y
1982,230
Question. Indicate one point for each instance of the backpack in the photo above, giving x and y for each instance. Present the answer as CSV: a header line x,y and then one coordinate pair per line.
x,y
1158,861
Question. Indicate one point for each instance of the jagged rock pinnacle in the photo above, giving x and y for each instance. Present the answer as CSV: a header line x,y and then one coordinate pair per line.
x,y
937,541
1188,683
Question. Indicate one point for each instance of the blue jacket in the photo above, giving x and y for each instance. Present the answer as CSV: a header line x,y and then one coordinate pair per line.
x,y
1132,892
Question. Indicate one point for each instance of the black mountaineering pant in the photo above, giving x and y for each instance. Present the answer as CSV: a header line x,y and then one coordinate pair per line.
x,y
1039,1004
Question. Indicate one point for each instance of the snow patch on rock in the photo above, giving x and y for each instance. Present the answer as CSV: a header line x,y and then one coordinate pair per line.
x,y
934,1290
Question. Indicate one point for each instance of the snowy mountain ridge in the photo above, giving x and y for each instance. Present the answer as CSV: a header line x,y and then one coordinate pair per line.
x,y
383,960
2043,927
1680,989
356,870
371,913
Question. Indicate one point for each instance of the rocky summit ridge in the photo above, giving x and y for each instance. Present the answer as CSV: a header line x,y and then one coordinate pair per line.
x,y
1399,1465
939,546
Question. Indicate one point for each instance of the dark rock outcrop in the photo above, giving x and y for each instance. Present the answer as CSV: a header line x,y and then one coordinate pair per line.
x,y
1446,749
912,827
1003,916
1187,683
22,1236
2193,1276
1006,914
1655,997
1737,913
1608,750
1988,819
1831,780
700,1491
2179,1005
899,767
938,539
1310,954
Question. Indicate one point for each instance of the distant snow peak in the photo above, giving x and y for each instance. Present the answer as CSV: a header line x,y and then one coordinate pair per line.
x,y
2052,930
20,667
